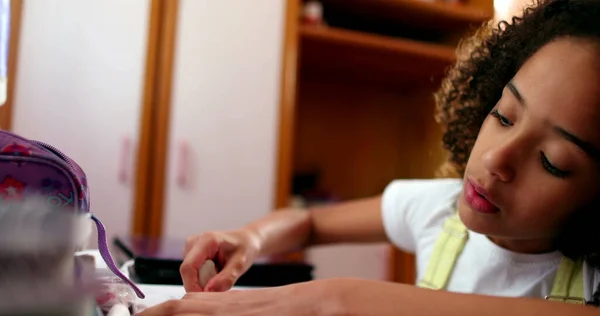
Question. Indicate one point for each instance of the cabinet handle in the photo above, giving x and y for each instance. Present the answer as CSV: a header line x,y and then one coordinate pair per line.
x,y
124,163
183,165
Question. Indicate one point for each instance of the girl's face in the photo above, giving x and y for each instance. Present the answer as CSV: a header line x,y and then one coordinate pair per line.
x,y
537,156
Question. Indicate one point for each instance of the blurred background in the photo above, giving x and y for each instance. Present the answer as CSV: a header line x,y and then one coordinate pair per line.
x,y
196,115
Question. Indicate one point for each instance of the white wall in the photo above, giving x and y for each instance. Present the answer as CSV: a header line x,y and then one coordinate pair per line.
x,y
79,86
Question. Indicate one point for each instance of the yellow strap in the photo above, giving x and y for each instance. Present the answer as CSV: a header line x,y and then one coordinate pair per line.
x,y
568,283
447,248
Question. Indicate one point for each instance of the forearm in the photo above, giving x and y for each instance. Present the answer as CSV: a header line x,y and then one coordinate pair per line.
x,y
289,230
361,297
282,231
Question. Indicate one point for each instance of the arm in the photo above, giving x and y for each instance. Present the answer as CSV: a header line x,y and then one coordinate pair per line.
x,y
279,232
360,297
288,230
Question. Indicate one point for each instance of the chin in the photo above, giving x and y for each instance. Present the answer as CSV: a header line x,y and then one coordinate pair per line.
x,y
476,222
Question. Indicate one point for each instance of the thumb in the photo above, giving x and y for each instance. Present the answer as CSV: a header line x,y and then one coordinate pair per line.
x,y
226,278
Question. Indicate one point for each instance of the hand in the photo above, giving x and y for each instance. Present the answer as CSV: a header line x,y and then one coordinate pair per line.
x,y
358,297
310,298
234,251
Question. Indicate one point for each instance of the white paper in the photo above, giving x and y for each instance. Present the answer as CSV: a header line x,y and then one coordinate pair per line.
x,y
156,294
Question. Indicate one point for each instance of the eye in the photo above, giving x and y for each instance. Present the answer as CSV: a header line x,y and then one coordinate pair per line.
x,y
550,168
503,120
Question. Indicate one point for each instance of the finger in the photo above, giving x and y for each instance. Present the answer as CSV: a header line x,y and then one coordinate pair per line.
x,y
200,296
189,244
226,278
177,308
205,248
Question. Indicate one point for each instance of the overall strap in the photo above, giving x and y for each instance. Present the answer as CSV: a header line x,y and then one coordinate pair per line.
x,y
447,248
568,284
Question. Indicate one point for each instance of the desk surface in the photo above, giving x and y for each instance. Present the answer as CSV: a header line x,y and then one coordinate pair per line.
x,y
155,294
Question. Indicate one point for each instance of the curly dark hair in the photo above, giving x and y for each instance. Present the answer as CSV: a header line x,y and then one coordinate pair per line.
x,y
486,62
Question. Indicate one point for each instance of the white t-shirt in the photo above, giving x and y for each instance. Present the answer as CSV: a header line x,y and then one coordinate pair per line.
x,y
414,212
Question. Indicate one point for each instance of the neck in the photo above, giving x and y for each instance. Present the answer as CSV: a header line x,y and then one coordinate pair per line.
x,y
531,246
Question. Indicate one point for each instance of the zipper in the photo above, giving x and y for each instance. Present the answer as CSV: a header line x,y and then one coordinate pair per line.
x,y
67,161
55,151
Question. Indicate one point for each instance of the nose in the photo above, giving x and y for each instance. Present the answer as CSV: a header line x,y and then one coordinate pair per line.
x,y
500,161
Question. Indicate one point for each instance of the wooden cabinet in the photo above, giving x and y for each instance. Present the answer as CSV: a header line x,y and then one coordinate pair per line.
x,y
196,115
224,104
169,106
79,83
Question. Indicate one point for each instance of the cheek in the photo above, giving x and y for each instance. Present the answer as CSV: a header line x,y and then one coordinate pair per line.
x,y
542,206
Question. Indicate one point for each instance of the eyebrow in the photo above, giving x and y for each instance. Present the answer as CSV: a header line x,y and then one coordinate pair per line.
x,y
586,146
513,89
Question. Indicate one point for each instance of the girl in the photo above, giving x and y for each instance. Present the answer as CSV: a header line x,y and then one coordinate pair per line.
x,y
520,111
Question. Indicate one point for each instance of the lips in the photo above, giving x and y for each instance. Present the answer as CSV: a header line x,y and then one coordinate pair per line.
x,y
478,199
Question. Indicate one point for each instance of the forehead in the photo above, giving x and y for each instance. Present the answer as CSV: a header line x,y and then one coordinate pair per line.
x,y
561,83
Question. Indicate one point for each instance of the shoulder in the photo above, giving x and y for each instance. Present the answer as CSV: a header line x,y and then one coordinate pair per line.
x,y
421,193
410,207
